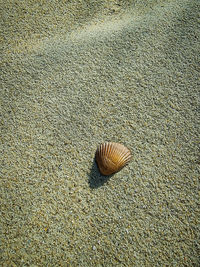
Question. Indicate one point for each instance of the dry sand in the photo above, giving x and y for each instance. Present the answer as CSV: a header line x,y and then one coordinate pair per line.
x,y
75,74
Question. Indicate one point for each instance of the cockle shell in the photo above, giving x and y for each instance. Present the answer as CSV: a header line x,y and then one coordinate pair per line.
x,y
112,157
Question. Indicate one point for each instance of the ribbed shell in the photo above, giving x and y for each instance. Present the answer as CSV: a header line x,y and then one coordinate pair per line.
x,y
112,157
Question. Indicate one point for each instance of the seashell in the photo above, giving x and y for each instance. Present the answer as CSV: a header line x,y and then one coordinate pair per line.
x,y
112,157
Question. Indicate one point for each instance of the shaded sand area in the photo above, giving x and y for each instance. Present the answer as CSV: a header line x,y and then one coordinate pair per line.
x,y
75,74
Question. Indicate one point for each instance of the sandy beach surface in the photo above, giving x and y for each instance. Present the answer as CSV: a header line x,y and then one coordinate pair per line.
x,y
75,74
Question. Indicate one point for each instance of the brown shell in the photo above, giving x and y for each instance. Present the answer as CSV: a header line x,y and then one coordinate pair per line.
x,y
112,157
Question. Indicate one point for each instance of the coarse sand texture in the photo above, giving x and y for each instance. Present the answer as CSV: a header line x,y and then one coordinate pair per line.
x,y
74,75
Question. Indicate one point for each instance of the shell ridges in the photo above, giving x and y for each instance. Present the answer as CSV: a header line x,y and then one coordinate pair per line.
x,y
112,157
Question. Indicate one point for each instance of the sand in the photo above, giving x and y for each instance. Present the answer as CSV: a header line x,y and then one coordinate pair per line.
x,y
78,73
